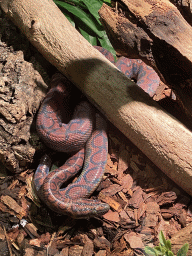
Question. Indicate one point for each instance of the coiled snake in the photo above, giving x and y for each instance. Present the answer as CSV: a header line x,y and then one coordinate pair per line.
x,y
86,132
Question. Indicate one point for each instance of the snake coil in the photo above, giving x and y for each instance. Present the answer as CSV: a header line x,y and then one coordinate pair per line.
x,y
82,137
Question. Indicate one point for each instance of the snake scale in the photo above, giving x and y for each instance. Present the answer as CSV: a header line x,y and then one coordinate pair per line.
x,y
85,136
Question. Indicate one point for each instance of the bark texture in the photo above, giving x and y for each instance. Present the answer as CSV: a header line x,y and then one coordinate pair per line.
x,y
185,7
180,238
162,138
156,32
21,91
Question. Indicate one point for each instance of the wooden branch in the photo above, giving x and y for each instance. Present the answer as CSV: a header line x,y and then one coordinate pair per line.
x,y
166,141
156,32
185,7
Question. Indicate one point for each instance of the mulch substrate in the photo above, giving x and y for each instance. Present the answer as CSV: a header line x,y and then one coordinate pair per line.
x,y
143,201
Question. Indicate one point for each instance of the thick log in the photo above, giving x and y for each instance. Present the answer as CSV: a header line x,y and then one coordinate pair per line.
x,y
166,141
156,32
185,7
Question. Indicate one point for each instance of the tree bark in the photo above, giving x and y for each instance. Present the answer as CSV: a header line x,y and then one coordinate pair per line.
x,y
180,238
161,137
156,32
21,91
185,7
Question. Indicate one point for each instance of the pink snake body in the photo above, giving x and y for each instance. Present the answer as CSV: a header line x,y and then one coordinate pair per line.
x,y
78,136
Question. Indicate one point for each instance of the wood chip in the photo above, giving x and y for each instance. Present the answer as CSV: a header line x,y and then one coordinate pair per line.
x,y
134,240
152,215
101,243
112,190
2,233
75,250
88,248
127,183
123,197
137,198
166,198
31,228
141,210
101,253
110,201
13,205
43,239
111,167
112,216
64,252
29,252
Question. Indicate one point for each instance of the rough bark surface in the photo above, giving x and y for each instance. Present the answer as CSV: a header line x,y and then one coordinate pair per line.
x,y
156,32
181,237
161,137
185,7
21,91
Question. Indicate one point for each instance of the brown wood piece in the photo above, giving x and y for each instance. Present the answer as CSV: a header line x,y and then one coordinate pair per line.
x,y
156,32
181,237
22,89
162,138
